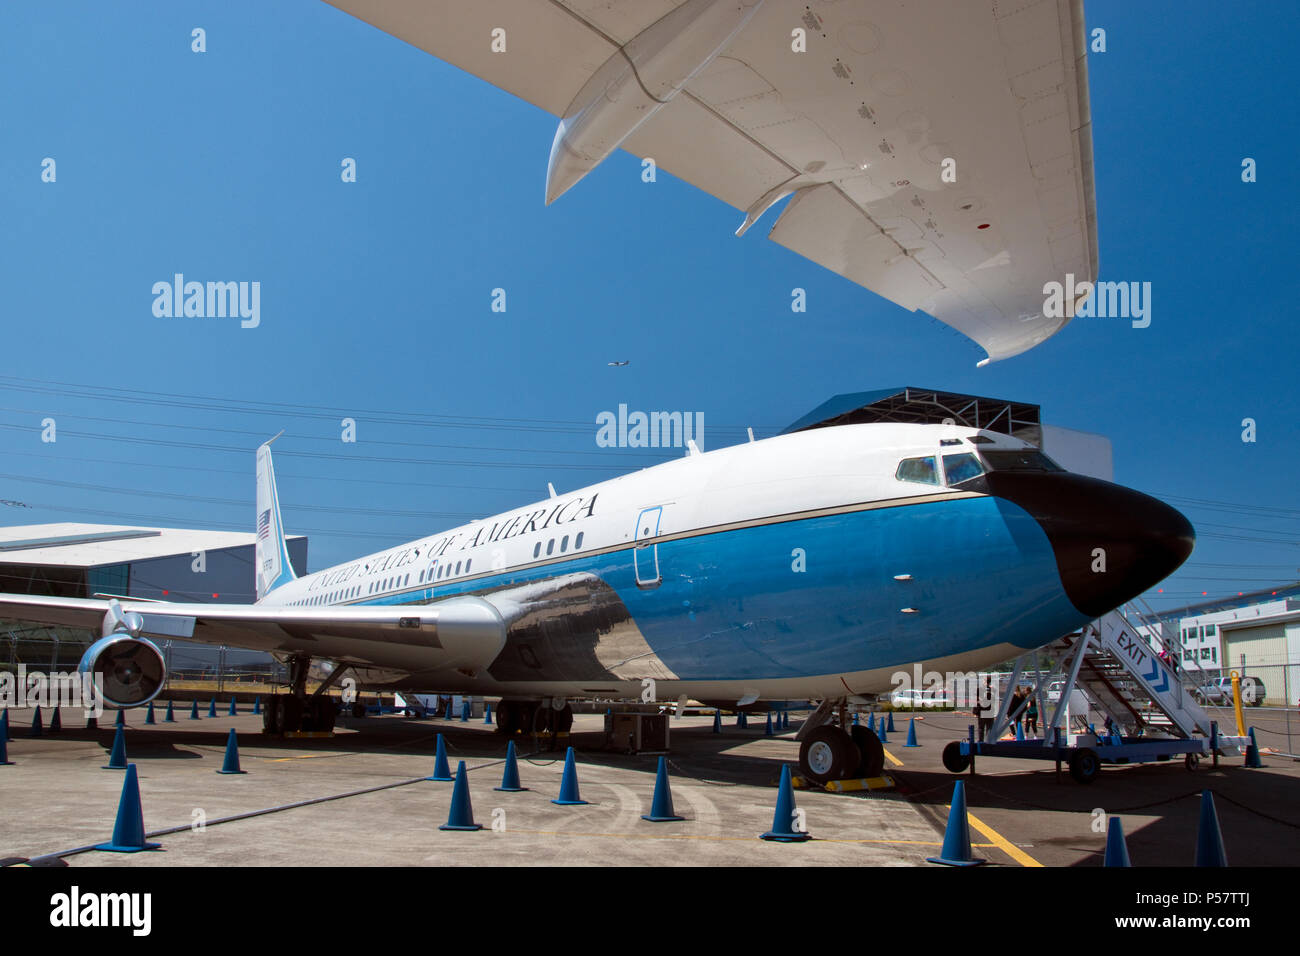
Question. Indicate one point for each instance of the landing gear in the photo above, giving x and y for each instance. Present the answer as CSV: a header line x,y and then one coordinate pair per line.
x,y
1085,765
539,717
953,759
829,753
296,712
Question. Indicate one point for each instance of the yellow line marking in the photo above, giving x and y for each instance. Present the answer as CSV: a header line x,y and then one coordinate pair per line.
x,y
1001,842
897,762
692,836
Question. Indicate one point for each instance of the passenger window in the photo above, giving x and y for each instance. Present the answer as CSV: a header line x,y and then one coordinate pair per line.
x,y
577,542
537,549
959,468
458,567
564,544
468,562
921,470
550,546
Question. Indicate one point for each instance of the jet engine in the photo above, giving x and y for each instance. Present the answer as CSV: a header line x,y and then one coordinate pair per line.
x,y
127,669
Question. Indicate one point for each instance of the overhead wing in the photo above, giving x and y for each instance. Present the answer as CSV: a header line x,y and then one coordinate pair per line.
x,y
463,633
863,126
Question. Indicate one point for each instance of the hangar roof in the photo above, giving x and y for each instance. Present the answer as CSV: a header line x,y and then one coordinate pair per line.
x,y
925,406
72,544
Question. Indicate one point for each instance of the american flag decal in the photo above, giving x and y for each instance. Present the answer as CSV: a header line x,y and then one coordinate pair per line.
x,y
264,524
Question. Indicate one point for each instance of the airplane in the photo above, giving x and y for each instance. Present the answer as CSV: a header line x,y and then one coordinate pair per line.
x,y
616,364
813,565
938,153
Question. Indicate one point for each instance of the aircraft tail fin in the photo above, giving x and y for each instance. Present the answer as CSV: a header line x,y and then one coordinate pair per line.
x,y
272,554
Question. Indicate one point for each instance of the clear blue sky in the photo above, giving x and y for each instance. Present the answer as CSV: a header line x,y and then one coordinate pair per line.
x,y
376,295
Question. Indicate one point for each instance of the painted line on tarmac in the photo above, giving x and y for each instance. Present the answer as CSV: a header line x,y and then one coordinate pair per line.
x,y
897,762
1001,842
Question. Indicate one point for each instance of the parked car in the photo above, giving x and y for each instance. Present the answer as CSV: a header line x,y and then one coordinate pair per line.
x,y
1219,692
920,698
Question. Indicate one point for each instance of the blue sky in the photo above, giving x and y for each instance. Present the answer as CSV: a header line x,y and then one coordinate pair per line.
x,y
376,295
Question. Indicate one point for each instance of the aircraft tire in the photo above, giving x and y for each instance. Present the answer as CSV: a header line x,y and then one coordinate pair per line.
x,y
564,719
1085,765
507,718
828,753
870,750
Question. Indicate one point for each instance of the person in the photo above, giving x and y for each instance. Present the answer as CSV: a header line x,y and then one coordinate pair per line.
x,y
1031,717
983,709
1016,710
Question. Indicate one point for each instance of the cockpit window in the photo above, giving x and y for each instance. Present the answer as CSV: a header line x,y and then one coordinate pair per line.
x,y
961,468
923,470
1025,459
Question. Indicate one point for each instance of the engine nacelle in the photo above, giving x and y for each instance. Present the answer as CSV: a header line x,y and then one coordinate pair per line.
x,y
129,671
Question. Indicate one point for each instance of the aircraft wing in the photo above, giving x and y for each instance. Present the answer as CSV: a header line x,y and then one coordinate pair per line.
x,y
465,633
858,127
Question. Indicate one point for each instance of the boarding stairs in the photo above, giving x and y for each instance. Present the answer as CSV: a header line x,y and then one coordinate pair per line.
x,y
1125,679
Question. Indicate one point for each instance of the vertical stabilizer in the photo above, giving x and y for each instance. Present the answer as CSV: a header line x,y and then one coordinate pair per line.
x,y
273,567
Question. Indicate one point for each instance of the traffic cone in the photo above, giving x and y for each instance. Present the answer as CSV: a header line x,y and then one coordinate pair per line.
x,y
464,711
768,730
257,706
569,796
911,734
871,721
4,750
1116,847
890,715
1209,839
661,806
956,836
880,732
121,718
855,718
231,763
4,725
461,815
448,714
117,757
510,778
234,708
785,719
56,722
128,831
170,716
148,715
717,721
92,723
1252,752
487,713
212,707
37,726
194,710
441,771
1020,734
783,830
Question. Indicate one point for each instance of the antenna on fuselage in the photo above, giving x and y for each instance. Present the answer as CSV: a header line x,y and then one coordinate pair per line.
x,y
751,433
551,488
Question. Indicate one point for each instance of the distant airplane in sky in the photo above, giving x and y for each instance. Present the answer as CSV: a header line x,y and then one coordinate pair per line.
x,y
616,364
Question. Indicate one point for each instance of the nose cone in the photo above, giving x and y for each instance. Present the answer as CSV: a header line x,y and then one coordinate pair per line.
x,y
1111,543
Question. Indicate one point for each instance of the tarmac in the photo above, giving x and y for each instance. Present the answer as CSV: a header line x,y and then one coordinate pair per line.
x,y
362,800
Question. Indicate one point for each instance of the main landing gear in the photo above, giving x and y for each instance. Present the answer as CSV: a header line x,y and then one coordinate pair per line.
x,y
297,711
541,717
836,750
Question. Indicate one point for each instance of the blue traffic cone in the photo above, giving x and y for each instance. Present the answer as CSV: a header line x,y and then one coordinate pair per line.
x,y
194,710
148,714
890,715
768,731
257,706
212,707
117,757
4,725
128,831
911,734
441,771
448,714
855,719
956,837
121,718
510,778
4,749
461,815
487,713
92,723
1116,847
170,716
231,763
880,732
37,725
783,830
871,721
785,719
56,722
1020,733
717,721
661,806
1252,751
1209,839
569,796
234,708
464,711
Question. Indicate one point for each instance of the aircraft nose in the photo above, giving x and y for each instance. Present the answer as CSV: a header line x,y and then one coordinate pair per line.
x,y
1111,543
